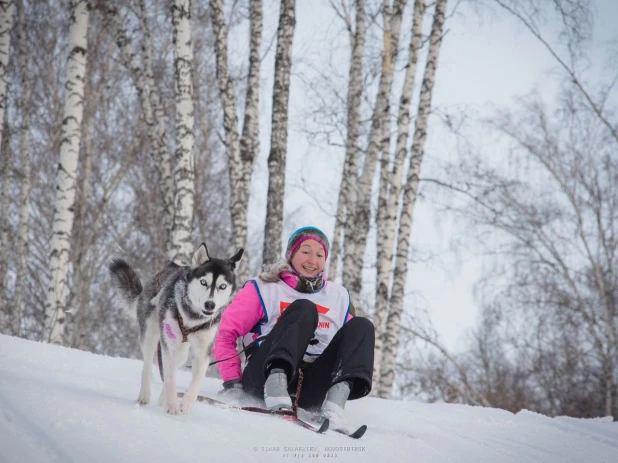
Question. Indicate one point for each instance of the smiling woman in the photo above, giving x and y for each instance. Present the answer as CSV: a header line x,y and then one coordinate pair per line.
x,y
300,336
307,251
309,259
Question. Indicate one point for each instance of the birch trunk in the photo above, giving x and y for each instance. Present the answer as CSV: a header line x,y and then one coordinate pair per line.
x,y
6,25
184,167
159,131
81,294
250,141
356,235
24,195
5,170
387,223
279,135
241,153
382,258
153,117
65,180
347,194
76,326
393,322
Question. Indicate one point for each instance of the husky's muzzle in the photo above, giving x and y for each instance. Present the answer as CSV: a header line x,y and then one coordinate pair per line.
x,y
209,308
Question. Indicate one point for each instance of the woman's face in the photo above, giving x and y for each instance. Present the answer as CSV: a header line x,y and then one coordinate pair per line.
x,y
309,259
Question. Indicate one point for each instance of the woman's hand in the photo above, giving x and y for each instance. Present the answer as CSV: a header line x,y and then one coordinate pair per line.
x,y
232,390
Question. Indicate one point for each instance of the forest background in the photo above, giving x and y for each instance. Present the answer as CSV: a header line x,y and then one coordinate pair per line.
x,y
141,128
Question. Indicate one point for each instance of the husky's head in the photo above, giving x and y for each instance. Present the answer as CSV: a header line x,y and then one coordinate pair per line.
x,y
211,282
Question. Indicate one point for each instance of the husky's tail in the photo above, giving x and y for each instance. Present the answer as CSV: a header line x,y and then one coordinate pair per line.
x,y
126,282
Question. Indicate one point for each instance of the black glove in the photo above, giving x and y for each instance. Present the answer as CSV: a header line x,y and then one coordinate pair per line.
x,y
232,389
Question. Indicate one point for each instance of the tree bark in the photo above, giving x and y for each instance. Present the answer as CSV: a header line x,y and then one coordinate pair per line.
x,y
5,173
7,8
347,193
356,235
24,195
393,322
241,153
184,167
391,183
159,131
67,167
250,141
279,134
77,330
152,110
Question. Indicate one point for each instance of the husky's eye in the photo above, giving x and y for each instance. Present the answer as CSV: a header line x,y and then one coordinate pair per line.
x,y
203,282
223,286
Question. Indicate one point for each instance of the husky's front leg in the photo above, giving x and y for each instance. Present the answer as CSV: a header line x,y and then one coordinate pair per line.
x,y
169,379
200,364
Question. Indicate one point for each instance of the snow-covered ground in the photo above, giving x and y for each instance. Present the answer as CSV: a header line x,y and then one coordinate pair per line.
x,y
65,405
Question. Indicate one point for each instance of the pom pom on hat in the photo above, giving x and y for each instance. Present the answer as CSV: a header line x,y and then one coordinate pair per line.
x,y
304,234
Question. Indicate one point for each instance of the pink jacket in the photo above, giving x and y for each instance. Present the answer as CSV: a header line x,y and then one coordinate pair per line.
x,y
238,319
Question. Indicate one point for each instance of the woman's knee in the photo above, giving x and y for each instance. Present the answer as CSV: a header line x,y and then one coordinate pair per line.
x,y
302,308
362,325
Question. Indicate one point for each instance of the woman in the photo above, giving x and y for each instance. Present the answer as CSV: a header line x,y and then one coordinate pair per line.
x,y
304,327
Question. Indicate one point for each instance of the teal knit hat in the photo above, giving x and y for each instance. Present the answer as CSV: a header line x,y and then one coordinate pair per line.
x,y
304,234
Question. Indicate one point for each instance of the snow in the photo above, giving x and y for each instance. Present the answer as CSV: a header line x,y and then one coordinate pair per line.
x,y
64,405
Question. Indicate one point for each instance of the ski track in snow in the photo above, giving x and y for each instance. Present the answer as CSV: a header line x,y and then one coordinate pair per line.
x,y
64,405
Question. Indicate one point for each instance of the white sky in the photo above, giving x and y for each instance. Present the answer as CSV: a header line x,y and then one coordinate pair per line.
x,y
485,61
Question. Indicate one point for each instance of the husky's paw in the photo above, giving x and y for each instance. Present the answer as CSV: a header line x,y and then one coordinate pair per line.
x,y
143,398
172,409
187,403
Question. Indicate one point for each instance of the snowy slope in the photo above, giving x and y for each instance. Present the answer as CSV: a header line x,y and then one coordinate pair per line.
x,y
64,405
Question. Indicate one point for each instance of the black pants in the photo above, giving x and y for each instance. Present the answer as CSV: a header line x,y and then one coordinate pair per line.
x,y
348,357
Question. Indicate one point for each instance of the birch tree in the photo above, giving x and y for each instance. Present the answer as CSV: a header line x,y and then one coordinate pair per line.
x,y
24,148
393,321
551,267
60,244
241,153
150,102
158,129
7,8
358,222
184,167
575,22
347,195
86,231
279,134
6,24
5,169
391,182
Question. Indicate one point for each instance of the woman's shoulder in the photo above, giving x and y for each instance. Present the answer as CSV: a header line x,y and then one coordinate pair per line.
x,y
334,286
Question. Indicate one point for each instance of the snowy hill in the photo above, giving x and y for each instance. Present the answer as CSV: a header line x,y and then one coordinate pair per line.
x,y
64,405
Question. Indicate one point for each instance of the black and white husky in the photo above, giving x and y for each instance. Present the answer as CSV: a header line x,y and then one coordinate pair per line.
x,y
180,306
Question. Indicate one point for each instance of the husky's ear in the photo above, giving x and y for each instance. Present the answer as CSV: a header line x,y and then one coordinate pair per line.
x,y
236,257
200,256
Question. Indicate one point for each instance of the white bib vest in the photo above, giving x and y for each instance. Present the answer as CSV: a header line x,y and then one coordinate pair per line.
x,y
332,301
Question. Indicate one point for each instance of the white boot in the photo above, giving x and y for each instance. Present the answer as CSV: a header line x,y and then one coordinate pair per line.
x,y
276,394
334,404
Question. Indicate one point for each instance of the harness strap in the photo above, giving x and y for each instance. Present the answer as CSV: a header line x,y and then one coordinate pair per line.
x,y
249,350
187,331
